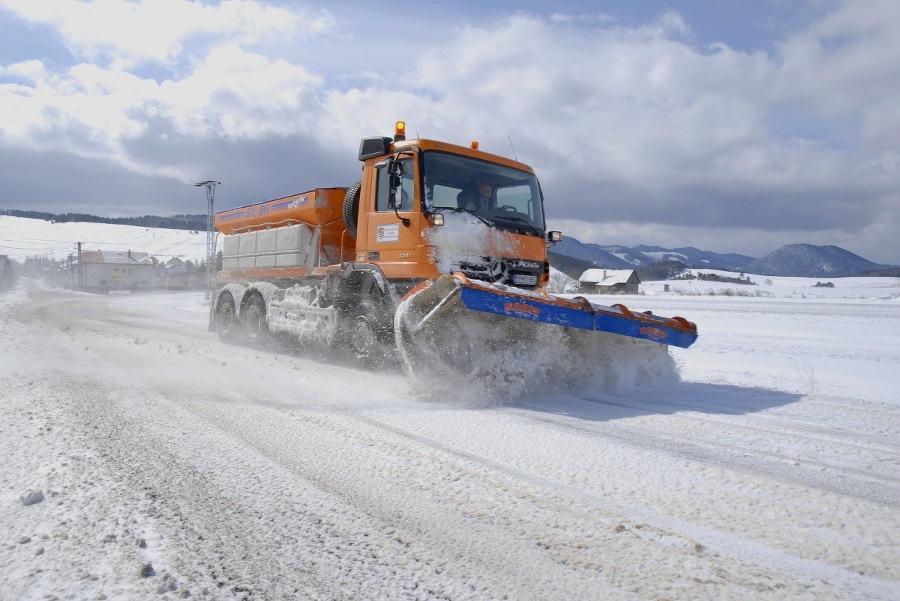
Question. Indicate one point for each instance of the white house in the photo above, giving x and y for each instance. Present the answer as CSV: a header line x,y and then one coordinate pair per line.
x,y
609,281
118,270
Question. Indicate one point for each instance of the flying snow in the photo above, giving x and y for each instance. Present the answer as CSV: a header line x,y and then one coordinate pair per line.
x,y
464,238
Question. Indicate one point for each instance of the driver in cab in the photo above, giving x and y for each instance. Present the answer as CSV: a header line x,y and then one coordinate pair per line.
x,y
481,201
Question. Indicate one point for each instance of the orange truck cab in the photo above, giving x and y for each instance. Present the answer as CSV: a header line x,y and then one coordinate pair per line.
x,y
425,208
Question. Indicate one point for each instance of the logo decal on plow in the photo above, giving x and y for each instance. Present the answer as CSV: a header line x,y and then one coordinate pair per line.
x,y
521,309
652,332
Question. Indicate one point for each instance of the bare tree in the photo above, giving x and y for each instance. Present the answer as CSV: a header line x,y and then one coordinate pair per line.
x,y
560,282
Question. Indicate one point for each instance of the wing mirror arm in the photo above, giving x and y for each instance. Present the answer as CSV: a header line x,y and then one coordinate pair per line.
x,y
395,200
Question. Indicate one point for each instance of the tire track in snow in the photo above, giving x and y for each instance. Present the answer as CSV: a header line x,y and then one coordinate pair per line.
x,y
730,557
503,511
200,532
792,426
394,485
197,530
874,488
814,537
767,431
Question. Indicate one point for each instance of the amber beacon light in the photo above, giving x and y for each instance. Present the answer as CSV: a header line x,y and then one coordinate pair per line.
x,y
399,131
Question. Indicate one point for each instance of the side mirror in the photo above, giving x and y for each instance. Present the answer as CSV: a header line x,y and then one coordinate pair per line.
x,y
395,175
554,236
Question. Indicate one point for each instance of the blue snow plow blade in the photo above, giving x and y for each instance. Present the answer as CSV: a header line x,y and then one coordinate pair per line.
x,y
577,312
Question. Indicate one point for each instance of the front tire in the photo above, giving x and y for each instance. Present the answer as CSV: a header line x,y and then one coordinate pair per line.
x,y
370,333
363,340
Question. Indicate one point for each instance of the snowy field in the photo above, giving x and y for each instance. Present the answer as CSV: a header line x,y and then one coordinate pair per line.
x,y
22,237
143,459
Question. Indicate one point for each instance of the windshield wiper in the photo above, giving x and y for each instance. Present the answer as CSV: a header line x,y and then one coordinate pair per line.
x,y
521,220
470,212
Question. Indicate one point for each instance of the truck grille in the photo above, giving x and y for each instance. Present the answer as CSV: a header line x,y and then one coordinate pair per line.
x,y
511,272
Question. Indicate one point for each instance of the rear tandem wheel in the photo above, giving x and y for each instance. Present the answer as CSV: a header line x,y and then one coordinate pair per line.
x,y
256,330
227,326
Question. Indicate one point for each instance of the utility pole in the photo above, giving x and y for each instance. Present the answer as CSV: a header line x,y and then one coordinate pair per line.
x,y
80,268
210,232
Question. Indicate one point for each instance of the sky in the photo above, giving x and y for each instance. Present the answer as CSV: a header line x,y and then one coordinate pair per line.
x,y
731,127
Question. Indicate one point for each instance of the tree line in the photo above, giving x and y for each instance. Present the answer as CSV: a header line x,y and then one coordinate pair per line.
x,y
174,222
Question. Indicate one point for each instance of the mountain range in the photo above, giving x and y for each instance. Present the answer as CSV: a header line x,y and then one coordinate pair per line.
x,y
625,257
793,260
808,260
570,256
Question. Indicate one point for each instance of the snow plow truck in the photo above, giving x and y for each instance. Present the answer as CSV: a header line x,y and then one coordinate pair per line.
x,y
433,238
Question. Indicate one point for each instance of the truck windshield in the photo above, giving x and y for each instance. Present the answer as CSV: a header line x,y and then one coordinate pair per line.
x,y
506,197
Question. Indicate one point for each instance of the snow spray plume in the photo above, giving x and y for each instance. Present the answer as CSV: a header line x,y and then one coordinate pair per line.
x,y
485,360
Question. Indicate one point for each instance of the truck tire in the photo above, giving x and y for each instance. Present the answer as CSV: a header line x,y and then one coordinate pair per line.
x,y
227,324
351,208
362,338
370,332
256,329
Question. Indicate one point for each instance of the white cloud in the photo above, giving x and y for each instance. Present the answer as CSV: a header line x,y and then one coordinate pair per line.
x,y
91,111
633,105
586,19
848,64
92,101
629,100
241,95
125,33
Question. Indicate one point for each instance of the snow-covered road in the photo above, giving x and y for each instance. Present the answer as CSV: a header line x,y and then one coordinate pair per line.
x,y
168,465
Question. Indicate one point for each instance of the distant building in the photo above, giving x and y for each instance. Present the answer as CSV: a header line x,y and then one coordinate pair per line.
x,y
183,276
111,271
609,281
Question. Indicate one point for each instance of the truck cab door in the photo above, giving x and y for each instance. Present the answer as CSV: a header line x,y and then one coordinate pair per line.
x,y
391,237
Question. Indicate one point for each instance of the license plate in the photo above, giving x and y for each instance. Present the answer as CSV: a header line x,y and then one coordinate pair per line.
x,y
524,279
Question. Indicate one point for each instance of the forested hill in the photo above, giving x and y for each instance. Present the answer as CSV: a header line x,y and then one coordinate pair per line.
x,y
174,222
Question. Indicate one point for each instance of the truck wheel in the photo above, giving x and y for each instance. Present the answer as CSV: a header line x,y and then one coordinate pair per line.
x,y
256,330
351,208
370,331
227,326
363,340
